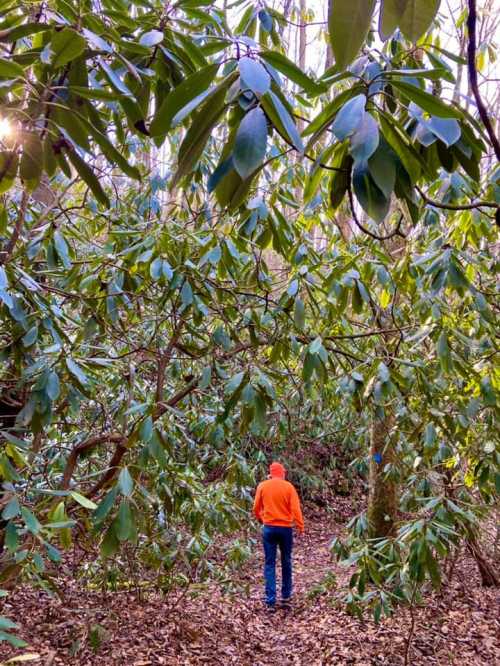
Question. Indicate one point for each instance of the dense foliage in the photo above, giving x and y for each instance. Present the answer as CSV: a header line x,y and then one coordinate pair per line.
x,y
210,255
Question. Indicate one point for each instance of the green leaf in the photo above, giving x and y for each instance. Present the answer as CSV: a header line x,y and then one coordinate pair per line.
x,y
60,524
12,509
429,434
266,20
356,300
260,412
292,72
348,25
456,277
433,568
124,522
31,164
146,429
488,392
281,120
4,283
446,129
443,351
391,12
250,144
105,505
94,93
76,371
155,269
186,294
430,103
179,97
10,69
71,121
318,125
66,45
89,177
11,537
30,336
125,482
308,367
52,387
88,504
30,520
293,288
399,142
13,34
38,562
254,76
383,372
349,117
365,139
13,640
417,17
151,38
206,378
299,314
110,543
114,79
53,553
234,382
9,161
220,172
96,41
62,248
382,167
340,180
5,623
368,194
201,128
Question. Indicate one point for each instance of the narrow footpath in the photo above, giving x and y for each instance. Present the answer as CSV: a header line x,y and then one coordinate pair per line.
x,y
458,627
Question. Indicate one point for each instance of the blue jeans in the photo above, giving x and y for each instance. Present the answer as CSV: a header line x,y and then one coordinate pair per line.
x,y
272,537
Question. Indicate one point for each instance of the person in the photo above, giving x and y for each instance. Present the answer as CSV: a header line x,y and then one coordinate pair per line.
x,y
277,507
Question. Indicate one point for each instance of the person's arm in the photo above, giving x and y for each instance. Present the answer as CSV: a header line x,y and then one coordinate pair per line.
x,y
296,510
257,504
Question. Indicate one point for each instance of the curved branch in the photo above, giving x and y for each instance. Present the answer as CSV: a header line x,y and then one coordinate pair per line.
x,y
110,472
82,448
366,231
471,68
471,206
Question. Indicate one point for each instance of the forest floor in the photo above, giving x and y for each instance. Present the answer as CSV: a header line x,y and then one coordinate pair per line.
x,y
459,626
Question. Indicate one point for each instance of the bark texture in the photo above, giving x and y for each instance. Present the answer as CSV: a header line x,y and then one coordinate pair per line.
x,y
382,497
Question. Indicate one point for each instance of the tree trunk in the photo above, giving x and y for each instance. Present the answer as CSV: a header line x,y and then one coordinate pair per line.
x,y
382,497
489,576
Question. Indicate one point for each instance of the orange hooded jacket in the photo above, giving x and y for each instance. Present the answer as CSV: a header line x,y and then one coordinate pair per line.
x,y
277,503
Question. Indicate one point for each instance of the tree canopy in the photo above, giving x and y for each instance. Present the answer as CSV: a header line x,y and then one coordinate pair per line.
x,y
213,251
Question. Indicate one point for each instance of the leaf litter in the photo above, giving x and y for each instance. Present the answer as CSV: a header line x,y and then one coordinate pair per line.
x,y
459,626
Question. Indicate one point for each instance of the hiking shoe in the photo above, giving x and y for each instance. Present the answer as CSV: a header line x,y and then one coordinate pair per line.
x,y
286,603
271,608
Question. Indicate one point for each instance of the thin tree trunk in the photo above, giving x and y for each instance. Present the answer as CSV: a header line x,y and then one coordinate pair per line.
x,y
382,497
489,576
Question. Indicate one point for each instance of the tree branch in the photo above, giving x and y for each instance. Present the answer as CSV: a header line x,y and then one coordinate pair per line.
x,y
366,231
471,206
82,448
471,68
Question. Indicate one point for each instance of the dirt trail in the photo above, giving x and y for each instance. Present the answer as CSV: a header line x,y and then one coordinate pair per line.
x,y
460,627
